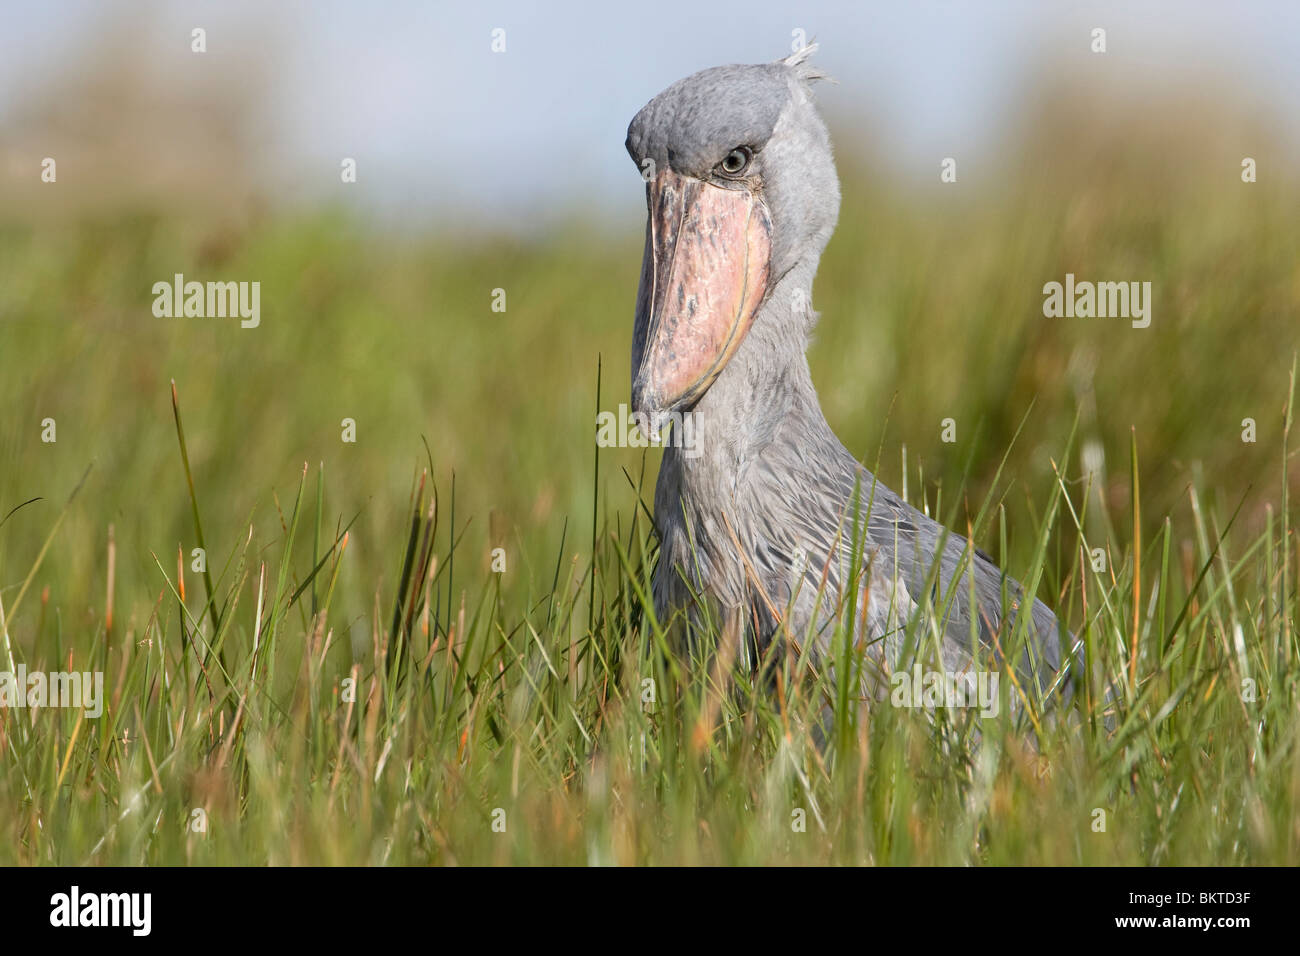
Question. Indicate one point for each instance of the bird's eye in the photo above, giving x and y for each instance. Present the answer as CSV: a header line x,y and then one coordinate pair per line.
x,y
736,161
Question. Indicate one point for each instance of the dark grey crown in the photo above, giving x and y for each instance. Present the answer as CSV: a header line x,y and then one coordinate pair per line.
x,y
694,123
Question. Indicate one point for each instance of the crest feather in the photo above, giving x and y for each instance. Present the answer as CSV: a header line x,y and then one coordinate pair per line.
x,y
798,61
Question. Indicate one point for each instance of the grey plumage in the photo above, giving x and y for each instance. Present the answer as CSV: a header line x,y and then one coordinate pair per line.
x,y
759,517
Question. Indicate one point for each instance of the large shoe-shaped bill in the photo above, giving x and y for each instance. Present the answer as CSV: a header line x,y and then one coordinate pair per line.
x,y
705,271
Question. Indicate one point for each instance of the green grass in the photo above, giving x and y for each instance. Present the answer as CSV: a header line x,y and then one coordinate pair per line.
x,y
538,718
522,691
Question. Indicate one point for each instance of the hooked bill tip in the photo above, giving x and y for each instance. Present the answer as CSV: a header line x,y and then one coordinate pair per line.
x,y
648,410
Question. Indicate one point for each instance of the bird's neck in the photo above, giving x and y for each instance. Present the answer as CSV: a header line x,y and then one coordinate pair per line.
x,y
765,392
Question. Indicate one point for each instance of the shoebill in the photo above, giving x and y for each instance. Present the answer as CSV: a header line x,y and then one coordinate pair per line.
x,y
756,519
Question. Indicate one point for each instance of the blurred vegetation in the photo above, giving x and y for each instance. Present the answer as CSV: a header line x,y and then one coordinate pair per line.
x,y
931,308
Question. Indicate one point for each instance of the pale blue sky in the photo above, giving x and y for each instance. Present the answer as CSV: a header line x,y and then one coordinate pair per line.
x,y
442,126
